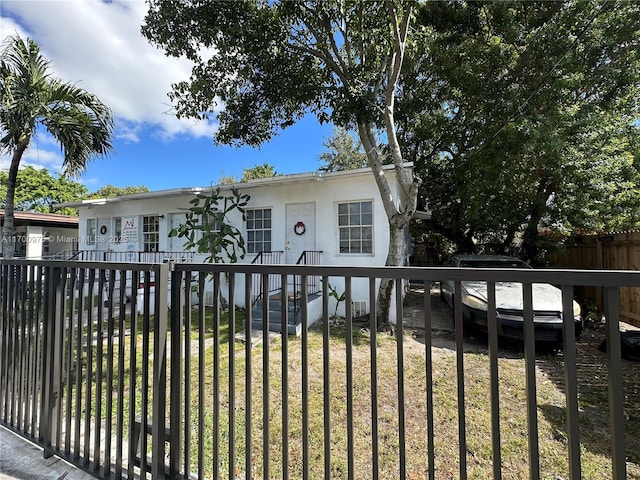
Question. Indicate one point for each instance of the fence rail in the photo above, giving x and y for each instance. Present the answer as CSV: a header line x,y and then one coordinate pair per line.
x,y
125,256
168,393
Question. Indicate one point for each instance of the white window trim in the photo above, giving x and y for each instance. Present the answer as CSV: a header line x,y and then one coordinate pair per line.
x,y
145,232
246,229
373,233
117,235
91,237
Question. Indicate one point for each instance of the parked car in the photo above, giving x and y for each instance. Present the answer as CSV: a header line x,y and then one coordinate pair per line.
x,y
547,301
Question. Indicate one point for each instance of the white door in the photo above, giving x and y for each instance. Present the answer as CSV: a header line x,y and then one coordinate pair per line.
x,y
103,234
301,229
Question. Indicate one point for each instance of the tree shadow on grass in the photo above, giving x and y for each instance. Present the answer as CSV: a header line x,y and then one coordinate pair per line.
x,y
593,395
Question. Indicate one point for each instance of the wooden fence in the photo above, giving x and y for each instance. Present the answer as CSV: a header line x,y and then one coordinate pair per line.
x,y
616,251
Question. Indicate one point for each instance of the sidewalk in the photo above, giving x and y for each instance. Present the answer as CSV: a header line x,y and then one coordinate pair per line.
x,y
20,459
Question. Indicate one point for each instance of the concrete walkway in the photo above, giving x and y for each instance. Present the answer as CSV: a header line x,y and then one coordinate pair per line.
x,y
20,459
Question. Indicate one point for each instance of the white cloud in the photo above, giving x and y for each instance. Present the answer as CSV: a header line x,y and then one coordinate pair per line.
x,y
37,158
97,45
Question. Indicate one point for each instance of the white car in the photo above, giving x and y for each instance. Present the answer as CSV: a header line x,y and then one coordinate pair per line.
x,y
547,301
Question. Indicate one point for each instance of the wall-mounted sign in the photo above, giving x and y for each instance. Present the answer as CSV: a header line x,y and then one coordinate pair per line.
x,y
130,229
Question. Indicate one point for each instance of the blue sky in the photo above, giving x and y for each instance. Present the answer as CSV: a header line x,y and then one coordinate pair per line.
x,y
97,45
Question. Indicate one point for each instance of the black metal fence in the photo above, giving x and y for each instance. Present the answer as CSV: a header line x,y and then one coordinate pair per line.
x,y
154,385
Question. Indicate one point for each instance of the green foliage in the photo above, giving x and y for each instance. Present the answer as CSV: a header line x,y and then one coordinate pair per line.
x,y
111,191
31,97
227,180
207,227
259,171
333,292
344,152
261,66
38,191
521,115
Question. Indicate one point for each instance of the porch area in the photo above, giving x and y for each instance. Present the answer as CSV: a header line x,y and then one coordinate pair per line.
x,y
141,390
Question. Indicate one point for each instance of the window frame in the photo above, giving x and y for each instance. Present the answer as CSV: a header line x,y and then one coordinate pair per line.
x,y
252,243
359,227
204,218
91,231
116,228
150,237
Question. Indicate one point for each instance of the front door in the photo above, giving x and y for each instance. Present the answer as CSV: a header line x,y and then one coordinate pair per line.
x,y
301,230
103,234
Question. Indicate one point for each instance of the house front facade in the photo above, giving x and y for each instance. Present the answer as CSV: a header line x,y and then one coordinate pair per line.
x,y
43,235
338,217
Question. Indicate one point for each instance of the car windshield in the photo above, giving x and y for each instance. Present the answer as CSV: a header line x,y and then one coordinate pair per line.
x,y
482,263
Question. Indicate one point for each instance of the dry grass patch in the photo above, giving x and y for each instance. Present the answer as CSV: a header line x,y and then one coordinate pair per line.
x,y
596,463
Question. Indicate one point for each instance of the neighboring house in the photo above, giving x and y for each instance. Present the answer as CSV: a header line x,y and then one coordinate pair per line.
x,y
43,235
335,218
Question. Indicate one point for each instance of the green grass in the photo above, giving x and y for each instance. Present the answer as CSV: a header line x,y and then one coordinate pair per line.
x,y
593,398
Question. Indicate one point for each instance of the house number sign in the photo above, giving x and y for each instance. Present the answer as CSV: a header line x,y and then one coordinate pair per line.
x,y
299,228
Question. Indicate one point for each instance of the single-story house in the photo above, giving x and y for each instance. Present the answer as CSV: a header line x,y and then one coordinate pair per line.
x,y
337,216
43,235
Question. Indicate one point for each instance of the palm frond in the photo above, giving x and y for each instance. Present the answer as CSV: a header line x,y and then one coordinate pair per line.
x,y
30,96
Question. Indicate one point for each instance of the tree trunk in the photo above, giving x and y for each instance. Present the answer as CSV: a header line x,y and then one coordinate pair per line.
x,y
8,230
464,243
530,248
530,239
399,214
394,258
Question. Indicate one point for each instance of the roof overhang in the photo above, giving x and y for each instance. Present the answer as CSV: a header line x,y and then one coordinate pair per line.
x,y
42,219
255,183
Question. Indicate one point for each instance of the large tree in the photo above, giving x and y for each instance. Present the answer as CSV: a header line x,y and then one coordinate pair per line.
x,y
30,98
37,190
342,152
523,117
259,171
111,191
263,65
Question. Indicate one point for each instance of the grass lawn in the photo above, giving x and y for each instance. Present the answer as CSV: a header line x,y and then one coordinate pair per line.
x,y
593,403
593,396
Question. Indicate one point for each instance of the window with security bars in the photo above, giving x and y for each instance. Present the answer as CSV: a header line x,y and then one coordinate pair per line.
x,y
259,230
151,233
355,227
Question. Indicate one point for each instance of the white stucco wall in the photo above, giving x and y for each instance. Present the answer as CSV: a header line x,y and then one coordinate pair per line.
x,y
36,242
325,191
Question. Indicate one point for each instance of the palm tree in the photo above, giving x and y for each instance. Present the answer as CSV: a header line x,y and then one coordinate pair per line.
x,y
30,97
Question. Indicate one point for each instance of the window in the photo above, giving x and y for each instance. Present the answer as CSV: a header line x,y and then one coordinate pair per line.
x,y
117,229
150,233
91,232
355,227
259,230
214,226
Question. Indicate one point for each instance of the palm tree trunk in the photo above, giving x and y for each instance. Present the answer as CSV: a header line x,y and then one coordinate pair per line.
x,y
8,230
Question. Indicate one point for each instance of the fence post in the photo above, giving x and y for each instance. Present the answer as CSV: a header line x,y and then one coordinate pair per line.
x,y
158,412
175,416
6,353
52,337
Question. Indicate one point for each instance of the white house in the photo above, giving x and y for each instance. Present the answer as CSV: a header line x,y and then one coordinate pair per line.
x,y
338,215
